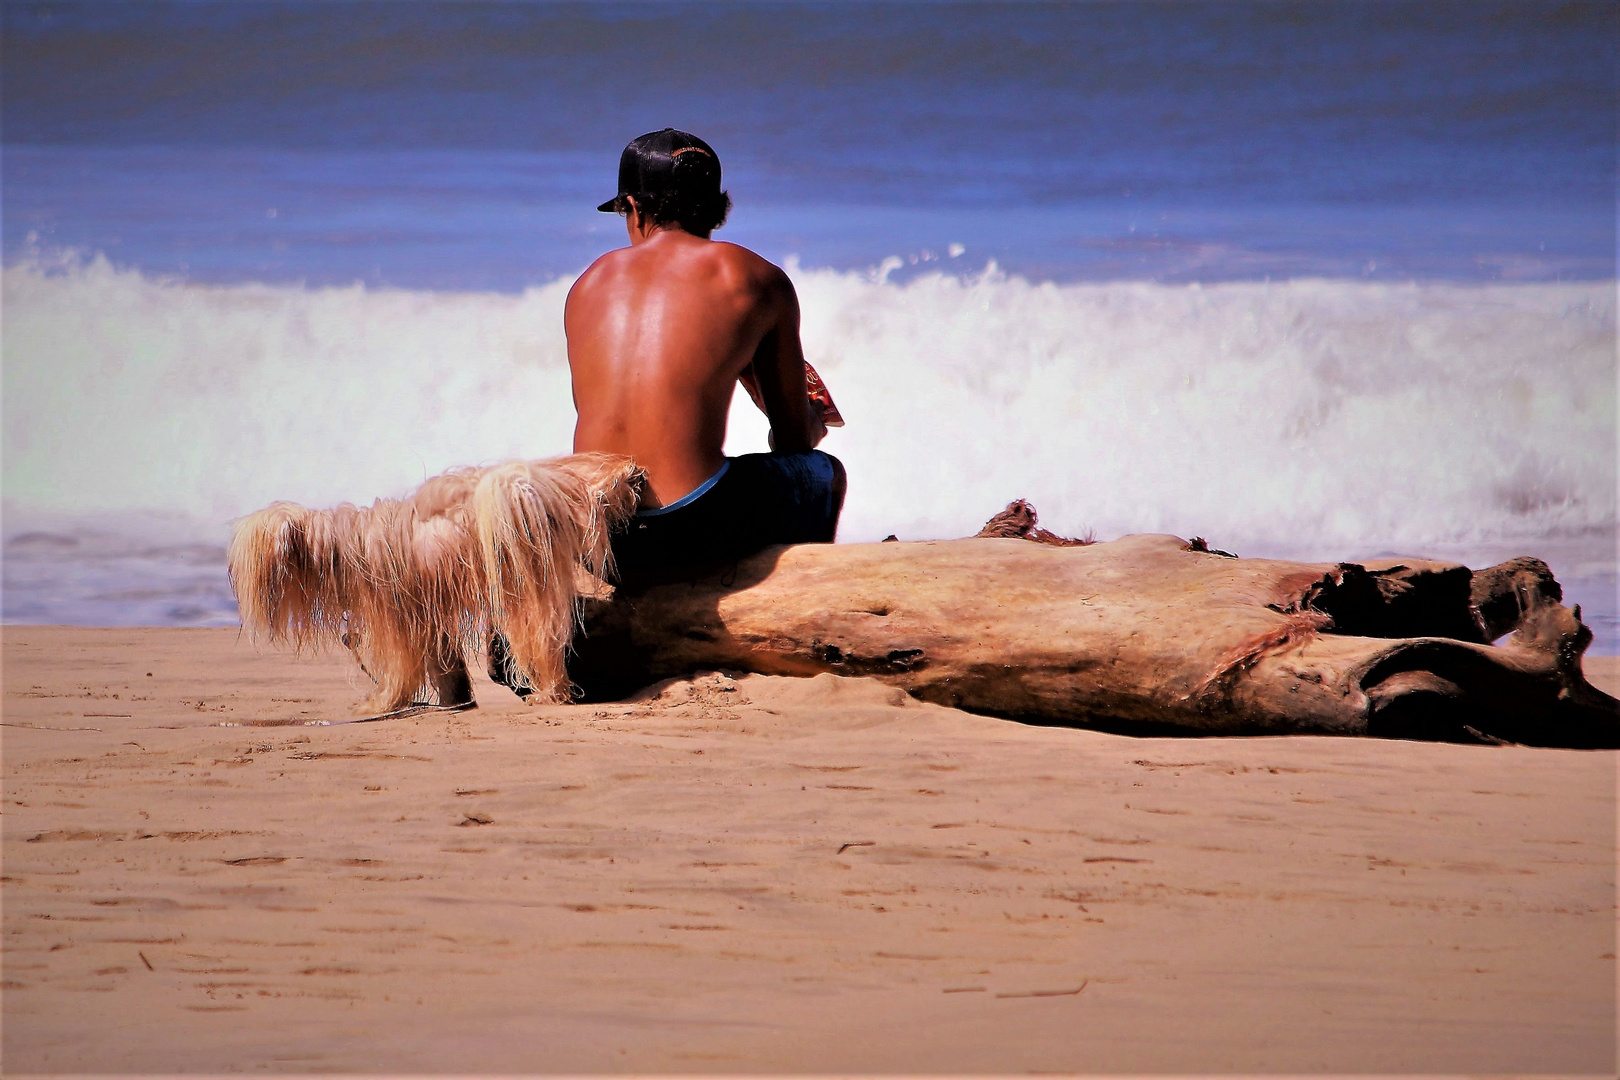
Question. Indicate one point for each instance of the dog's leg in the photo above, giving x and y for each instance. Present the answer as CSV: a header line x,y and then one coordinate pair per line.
x,y
447,674
502,669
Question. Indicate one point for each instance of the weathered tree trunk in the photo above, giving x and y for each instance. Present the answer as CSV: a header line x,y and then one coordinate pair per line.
x,y
1146,634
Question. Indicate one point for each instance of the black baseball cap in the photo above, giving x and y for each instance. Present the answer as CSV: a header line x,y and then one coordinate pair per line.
x,y
648,166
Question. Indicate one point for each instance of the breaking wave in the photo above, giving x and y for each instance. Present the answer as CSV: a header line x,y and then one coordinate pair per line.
x,y
1311,417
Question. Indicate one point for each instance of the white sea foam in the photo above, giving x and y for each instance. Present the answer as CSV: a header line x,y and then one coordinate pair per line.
x,y
1308,417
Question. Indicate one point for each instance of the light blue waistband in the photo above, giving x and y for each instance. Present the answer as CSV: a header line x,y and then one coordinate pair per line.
x,y
691,496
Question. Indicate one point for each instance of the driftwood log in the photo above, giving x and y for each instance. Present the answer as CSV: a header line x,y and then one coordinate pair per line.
x,y
1142,635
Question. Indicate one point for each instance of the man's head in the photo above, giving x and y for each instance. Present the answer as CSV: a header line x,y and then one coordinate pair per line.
x,y
673,179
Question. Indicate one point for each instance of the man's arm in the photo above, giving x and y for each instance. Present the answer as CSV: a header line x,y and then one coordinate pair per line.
x,y
777,384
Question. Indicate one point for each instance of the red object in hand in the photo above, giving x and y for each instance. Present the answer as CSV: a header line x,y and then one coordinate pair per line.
x,y
820,398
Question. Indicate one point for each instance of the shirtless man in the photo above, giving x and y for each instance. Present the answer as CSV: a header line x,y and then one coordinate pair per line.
x,y
659,334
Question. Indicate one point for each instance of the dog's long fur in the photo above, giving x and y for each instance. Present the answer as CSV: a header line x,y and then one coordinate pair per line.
x,y
408,583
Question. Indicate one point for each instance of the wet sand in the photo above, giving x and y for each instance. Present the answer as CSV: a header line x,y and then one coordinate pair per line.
x,y
764,875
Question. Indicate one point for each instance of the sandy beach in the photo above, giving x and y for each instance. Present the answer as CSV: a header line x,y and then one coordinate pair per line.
x,y
761,874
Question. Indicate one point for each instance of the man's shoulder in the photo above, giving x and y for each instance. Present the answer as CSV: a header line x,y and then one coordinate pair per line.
x,y
749,267
730,262
743,257
606,263
601,274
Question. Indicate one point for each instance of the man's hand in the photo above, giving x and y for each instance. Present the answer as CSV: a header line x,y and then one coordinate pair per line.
x,y
777,378
823,413
818,429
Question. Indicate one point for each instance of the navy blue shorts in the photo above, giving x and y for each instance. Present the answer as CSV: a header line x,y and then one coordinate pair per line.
x,y
754,501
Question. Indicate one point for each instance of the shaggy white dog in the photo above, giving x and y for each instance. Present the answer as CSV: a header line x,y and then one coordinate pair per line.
x,y
416,585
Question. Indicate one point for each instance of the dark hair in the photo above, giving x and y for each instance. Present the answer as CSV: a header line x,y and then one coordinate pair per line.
x,y
674,178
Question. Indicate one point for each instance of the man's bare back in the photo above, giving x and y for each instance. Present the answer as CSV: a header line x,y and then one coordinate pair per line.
x,y
658,335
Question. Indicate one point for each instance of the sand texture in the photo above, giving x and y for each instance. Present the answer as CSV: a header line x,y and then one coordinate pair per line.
x,y
767,874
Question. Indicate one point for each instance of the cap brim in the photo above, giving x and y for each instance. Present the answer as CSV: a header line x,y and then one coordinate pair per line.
x,y
611,206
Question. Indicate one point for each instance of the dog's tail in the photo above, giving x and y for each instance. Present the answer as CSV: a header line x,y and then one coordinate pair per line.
x,y
288,566
538,523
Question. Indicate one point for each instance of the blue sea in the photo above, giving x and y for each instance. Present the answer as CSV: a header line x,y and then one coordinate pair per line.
x,y
1318,280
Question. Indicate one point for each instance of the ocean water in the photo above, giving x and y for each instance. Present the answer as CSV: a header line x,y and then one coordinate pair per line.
x,y
1321,281
465,145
